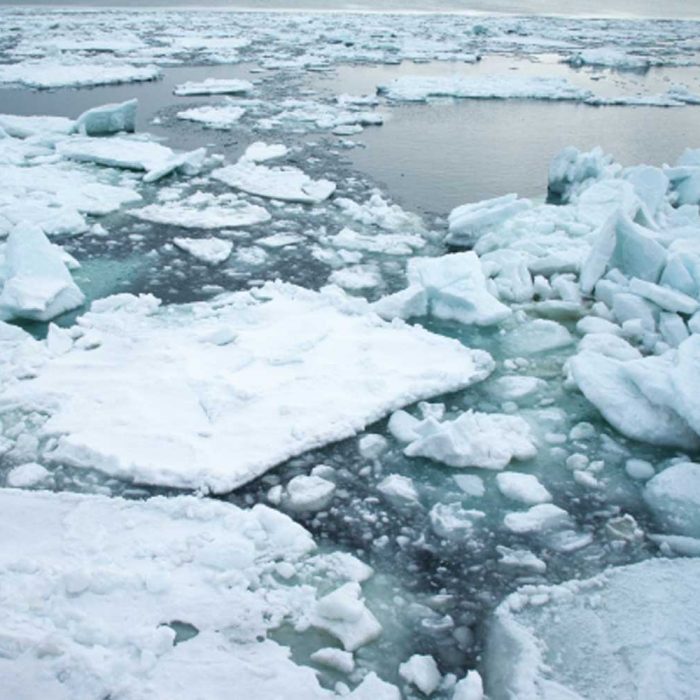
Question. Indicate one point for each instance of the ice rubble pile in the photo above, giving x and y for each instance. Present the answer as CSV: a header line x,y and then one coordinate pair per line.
x,y
632,632
213,394
149,599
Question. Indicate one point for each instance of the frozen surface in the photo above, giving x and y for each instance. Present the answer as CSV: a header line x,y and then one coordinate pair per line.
x,y
215,86
632,632
224,389
223,117
129,576
208,250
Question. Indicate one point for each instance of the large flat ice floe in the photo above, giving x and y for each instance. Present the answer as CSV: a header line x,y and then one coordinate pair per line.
x,y
214,394
632,633
158,599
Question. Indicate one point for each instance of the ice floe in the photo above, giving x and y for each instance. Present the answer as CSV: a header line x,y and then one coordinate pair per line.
x,y
209,250
212,116
108,119
215,86
232,398
163,596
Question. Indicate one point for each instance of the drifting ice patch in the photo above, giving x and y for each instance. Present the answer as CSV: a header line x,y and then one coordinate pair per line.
x,y
209,250
214,394
222,117
108,119
84,557
214,86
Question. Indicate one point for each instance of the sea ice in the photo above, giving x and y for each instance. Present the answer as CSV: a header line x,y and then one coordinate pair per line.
x,y
524,488
215,86
422,671
108,119
309,493
539,518
114,569
209,250
284,183
213,116
630,633
674,497
36,284
156,401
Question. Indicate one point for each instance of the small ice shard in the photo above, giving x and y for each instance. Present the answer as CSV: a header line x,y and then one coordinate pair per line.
x,y
570,171
398,489
36,282
372,445
377,211
204,210
629,633
524,488
343,614
213,116
452,522
309,493
214,86
674,497
469,222
283,183
515,387
212,251
539,518
387,243
108,119
421,671
521,559
486,440
455,287
639,469
336,659
27,475
471,484
470,687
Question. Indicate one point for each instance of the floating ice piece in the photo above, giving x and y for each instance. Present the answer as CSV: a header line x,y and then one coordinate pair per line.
x,y
471,484
674,497
514,387
285,183
653,399
524,488
539,518
387,243
539,335
608,57
217,416
280,240
455,287
605,638
377,211
343,614
260,152
372,445
132,154
398,489
470,687
80,554
422,671
309,493
520,559
469,222
214,86
65,72
209,250
27,475
664,297
36,283
486,440
571,171
413,88
356,277
336,659
108,119
213,116
452,522
204,210
410,302
22,127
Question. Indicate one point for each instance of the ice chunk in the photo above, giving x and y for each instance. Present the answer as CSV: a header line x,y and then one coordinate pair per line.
x,y
413,88
387,243
372,445
486,440
539,518
537,336
607,638
470,687
455,286
22,127
471,484
337,659
514,387
452,522
204,210
343,614
422,671
377,211
259,152
674,497
213,116
639,469
36,283
285,183
520,559
161,404
398,489
309,493
609,57
65,72
209,250
524,488
214,86
84,556
469,222
108,119
571,171
664,297
26,475
409,302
